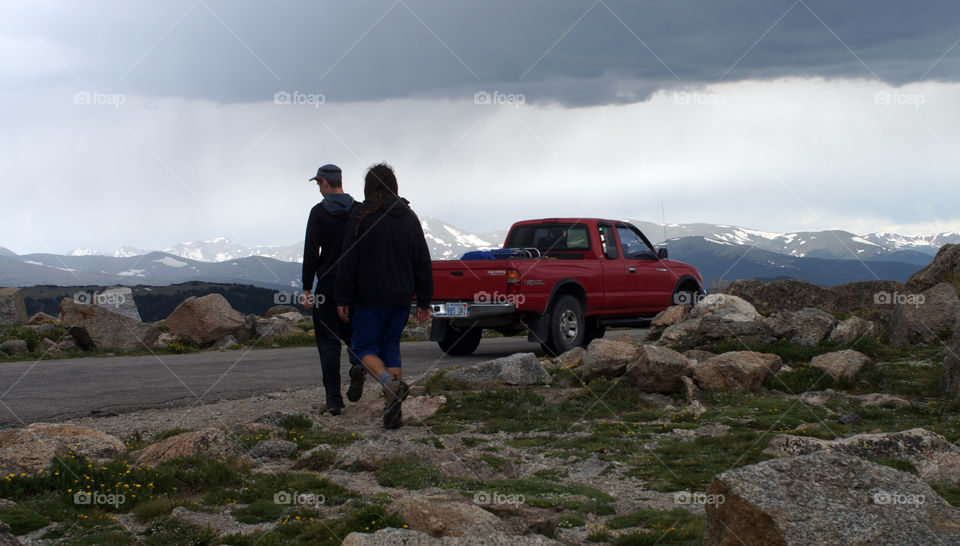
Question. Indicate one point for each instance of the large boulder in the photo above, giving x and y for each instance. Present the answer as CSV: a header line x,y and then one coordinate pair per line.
x,y
95,327
932,455
443,515
15,347
676,333
728,307
568,360
118,299
921,317
671,315
12,309
281,309
808,326
945,268
793,295
211,443
516,369
841,364
713,331
745,370
853,329
206,319
608,358
30,449
826,498
658,369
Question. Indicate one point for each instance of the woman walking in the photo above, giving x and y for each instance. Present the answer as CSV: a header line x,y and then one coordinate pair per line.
x,y
385,263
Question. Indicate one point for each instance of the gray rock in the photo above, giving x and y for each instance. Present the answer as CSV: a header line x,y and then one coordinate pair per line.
x,y
697,355
658,369
934,457
6,537
846,364
273,449
808,326
921,319
793,295
713,331
206,319
274,326
68,343
12,309
568,360
853,329
226,342
42,318
516,369
850,419
118,299
744,370
945,268
678,332
719,286
95,327
725,306
15,347
674,314
950,377
608,358
280,309
826,498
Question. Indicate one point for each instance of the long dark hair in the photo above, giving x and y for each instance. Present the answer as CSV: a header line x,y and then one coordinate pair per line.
x,y
379,187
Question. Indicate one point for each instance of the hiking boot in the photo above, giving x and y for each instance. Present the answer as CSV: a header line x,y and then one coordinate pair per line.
x,y
357,376
395,392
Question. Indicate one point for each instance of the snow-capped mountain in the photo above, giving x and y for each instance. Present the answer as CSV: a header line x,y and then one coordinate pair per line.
x,y
214,250
447,242
922,243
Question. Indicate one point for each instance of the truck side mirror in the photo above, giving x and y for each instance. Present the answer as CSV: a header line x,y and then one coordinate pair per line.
x,y
662,254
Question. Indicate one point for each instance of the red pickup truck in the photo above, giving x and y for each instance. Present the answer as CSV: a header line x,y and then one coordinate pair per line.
x,y
564,280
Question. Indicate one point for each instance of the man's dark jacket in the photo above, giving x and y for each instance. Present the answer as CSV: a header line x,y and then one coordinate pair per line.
x,y
324,239
388,261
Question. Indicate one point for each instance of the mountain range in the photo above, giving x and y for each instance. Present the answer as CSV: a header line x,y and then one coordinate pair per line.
x,y
718,251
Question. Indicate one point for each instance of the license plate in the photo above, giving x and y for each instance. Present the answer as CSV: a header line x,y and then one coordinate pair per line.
x,y
456,309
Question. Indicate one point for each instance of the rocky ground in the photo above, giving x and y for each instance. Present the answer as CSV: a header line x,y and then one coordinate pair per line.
x,y
798,416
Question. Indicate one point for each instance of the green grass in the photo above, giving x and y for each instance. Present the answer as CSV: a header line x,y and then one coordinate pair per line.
x,y
167,530
259,511
317,461
899,464
949,491
368,519
264,487
23,520
151,509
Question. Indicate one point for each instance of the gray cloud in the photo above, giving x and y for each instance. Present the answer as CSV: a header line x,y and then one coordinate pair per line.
x,y
576,53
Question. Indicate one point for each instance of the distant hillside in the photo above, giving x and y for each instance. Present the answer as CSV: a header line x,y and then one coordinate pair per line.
x,y
732,262
157,302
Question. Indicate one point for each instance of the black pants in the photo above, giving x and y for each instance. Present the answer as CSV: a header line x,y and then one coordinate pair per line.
x,y
329,331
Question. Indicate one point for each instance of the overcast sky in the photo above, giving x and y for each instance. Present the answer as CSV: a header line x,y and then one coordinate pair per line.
x,y
148,123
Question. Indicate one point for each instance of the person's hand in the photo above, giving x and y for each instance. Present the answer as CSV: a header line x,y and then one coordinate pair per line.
x,y
344,312
423,315
307,300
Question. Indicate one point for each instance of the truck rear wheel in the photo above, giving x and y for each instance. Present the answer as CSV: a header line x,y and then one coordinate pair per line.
x,y
567,326
460,342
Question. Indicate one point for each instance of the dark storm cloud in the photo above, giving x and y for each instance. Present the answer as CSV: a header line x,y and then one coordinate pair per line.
x,y
575,52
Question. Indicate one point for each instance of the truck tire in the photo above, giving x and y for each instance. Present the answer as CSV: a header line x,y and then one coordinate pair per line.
x,y
460,342
686,296
567,326
594,331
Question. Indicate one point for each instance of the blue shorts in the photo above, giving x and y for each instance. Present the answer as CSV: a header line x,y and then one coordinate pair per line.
x,y
377,330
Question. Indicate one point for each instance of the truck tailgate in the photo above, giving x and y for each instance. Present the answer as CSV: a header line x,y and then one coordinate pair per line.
x,y
455,280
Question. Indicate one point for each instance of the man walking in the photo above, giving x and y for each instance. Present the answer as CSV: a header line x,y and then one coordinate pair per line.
x,y
321,255
385,263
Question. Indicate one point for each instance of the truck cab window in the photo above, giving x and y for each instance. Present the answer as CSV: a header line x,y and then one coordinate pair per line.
x,y
634,248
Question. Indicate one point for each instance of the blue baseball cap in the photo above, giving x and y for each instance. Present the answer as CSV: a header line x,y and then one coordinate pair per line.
x,y
329,172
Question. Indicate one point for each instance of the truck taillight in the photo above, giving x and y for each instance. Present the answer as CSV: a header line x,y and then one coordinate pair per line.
x,y
513,281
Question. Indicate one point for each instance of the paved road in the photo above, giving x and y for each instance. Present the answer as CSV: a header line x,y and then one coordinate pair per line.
x,y
61,389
